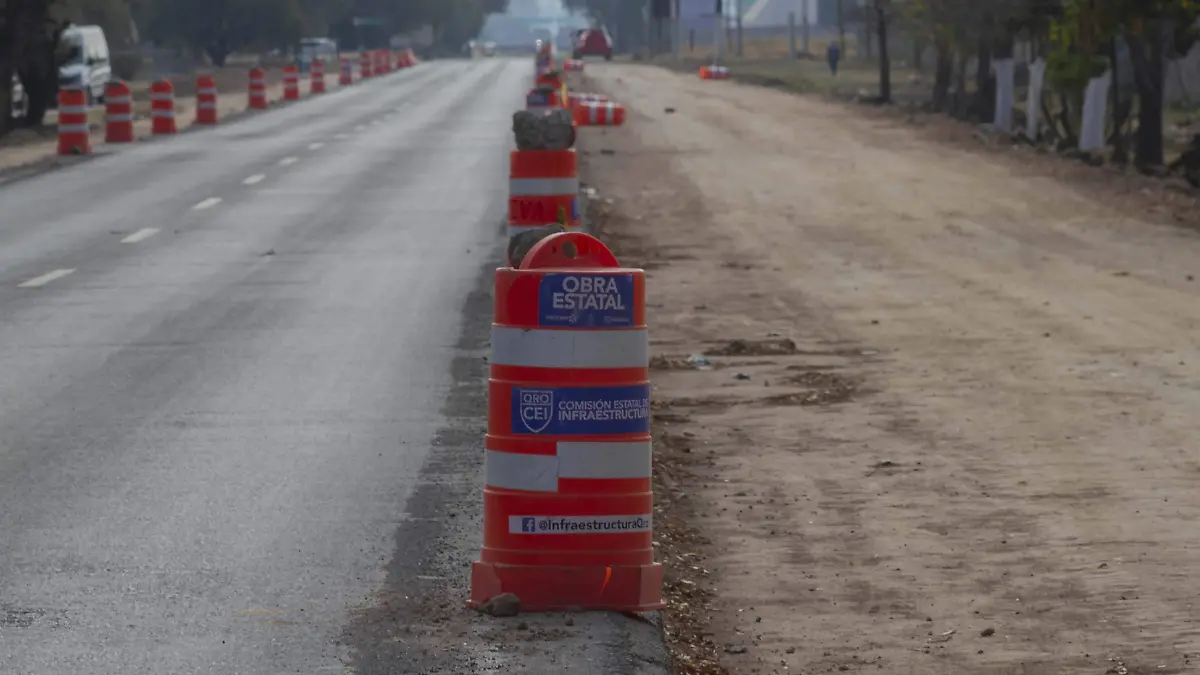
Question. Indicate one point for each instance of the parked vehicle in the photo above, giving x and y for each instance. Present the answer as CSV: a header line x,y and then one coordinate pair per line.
x,y
317,48
594,42
87,63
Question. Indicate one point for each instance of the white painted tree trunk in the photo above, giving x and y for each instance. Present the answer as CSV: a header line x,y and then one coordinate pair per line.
x,y
1095,110
1033,99
1002,119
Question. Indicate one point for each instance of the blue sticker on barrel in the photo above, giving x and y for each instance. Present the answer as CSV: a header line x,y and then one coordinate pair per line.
x,y
537,100
581,411
586,300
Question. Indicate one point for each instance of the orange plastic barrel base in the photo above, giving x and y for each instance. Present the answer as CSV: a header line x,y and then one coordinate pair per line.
x,y
557,589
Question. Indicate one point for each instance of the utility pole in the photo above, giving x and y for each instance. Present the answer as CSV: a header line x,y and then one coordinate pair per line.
x,y
719,33
806,25
739,27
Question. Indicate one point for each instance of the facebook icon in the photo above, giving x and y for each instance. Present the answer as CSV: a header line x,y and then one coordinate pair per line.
x,y
528,524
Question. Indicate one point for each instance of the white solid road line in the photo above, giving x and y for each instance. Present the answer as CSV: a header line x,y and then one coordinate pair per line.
x,y
207,203
256,178
45,278
288,160
316,146
140,235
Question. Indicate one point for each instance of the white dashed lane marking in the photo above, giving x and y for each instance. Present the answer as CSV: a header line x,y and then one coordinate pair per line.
x,y
288,160
207,203
256,178
46,278
316,146
141,235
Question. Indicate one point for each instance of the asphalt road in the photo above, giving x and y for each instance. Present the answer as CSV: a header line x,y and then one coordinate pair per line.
x,y
225,367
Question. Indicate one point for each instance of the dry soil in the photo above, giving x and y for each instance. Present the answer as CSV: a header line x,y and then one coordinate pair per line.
x,y
918,409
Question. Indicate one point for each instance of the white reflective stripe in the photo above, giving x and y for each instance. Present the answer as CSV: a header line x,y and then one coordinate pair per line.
x,y
73,128
162,113
207,90
541,348
119,99
162,97
514,230
206,105
603,459
541,187
120,117
73,109
574,460
594,112
513,471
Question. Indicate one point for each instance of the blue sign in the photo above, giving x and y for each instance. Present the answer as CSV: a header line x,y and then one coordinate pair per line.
x,y
581,411
536,100
586,300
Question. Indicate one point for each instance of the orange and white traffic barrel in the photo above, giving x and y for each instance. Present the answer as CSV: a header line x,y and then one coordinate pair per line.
x,y
714,73
543,189
364,64
258,89
206,99
567,498
411,57
575,100
118,113
318,77
552,79
542,99
74,133
162,108
573,65
599,114
291,83
381,62
346,76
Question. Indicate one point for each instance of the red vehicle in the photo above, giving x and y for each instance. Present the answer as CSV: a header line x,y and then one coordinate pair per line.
x,y
593,42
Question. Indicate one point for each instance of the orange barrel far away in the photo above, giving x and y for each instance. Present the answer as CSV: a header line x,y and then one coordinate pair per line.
x,y
206,100
162,108
542,99
291,83
567,496
318,77
346,76
258,89
364,64
74,133
543,189
118,113
599,114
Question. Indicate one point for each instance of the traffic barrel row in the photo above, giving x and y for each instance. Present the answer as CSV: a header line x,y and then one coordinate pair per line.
x,y
74,135
567,496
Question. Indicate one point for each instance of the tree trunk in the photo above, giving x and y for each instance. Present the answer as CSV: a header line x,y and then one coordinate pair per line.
x,y
885,64
918,50
943,73
1146,52
985,82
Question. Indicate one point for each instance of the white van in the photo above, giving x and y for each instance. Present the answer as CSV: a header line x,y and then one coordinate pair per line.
x,y
87,63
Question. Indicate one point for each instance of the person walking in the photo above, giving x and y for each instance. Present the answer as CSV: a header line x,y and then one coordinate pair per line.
x,y
833,54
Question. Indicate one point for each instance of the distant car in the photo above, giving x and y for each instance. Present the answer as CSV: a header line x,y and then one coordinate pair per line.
x,y
594,42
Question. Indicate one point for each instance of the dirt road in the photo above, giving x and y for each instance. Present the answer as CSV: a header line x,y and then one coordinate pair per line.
x,y
919,410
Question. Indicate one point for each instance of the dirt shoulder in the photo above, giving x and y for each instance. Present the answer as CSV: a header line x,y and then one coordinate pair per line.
x,y
919,409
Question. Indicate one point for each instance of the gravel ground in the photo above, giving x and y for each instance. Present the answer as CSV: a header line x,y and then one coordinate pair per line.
x,y
922,406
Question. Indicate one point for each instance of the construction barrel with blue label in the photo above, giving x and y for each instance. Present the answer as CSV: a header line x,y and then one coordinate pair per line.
x,y
568,501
